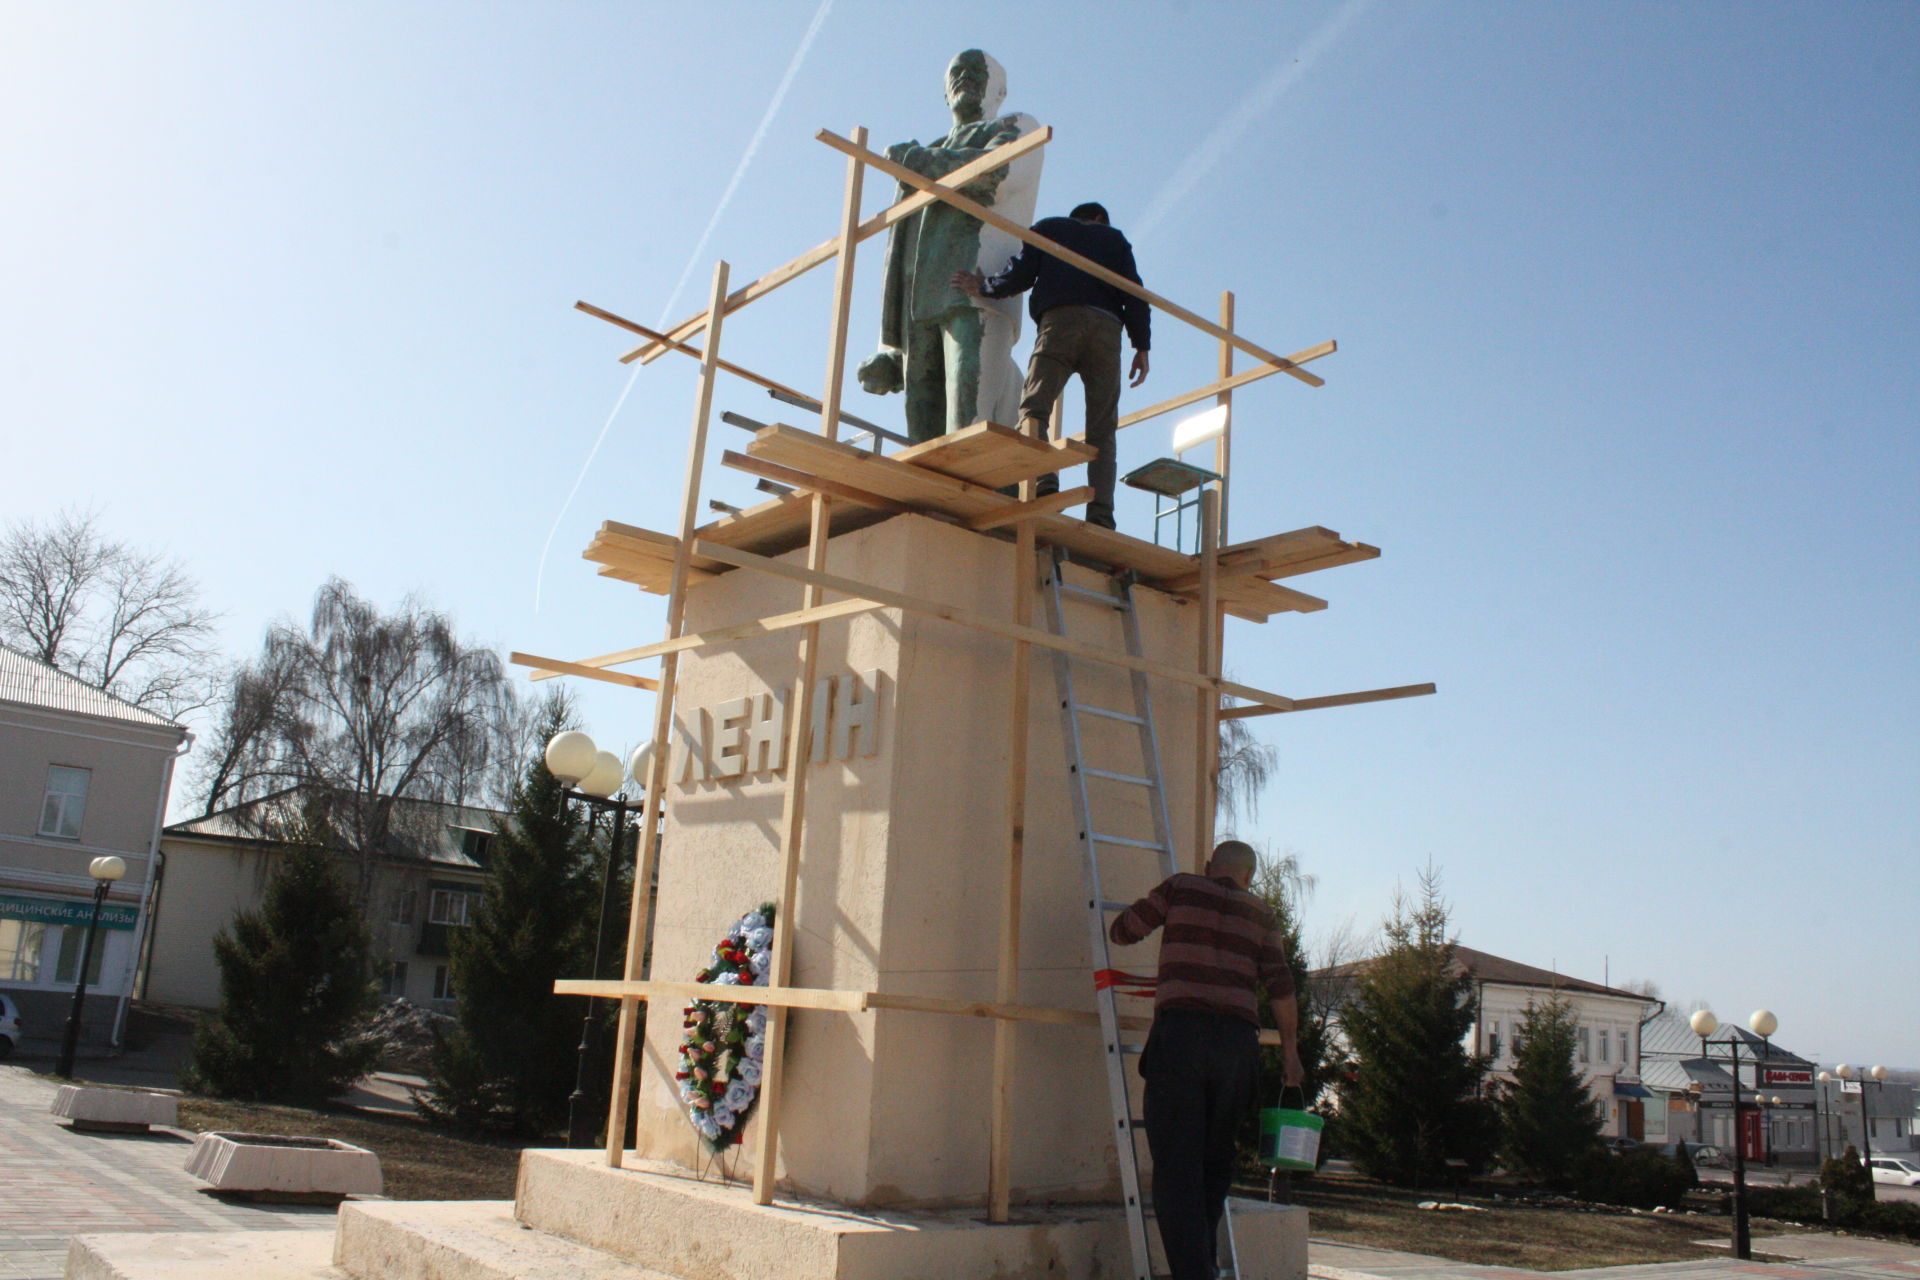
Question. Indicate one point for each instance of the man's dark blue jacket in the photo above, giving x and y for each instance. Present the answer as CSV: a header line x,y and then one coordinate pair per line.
x,y
1055,284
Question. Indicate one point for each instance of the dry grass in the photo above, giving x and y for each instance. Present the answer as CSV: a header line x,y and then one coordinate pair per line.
x,y
1351,1210
418,1162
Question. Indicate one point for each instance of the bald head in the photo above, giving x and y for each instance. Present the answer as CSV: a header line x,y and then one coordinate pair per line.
x,y
1234,859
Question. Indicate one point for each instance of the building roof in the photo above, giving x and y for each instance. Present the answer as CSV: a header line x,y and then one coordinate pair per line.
x,y
33,683
1488,968
422,829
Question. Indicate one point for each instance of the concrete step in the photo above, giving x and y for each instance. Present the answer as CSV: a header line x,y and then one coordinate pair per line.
x,y
464,1240
204,1255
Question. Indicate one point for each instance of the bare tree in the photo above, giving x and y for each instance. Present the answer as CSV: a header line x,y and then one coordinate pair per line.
x,y
123,620
363,710
1246,766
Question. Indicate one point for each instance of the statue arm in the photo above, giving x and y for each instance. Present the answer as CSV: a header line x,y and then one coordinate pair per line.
x,y
940,160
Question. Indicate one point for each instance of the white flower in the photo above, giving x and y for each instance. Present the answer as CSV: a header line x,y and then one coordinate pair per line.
x,y
723,1116
749,1071
708,1129
756,1022
727,979
756,1048
760,939
751,921
761,962
739,1095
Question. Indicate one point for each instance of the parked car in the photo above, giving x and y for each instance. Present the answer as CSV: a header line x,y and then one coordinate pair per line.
x,y
9,1026
1620,1146
1704,1155
1893,1169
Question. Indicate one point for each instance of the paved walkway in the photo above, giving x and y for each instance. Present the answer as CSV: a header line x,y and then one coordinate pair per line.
x,y
55,1183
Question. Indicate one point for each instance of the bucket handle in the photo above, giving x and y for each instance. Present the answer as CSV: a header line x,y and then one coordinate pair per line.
x,y
1300,1089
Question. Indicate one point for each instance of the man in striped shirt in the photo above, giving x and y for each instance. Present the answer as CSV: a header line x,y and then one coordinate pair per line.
x,y
1219,948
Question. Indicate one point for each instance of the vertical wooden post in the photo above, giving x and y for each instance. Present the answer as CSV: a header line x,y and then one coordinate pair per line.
x,y
1000,1133
1206,729
793,816
642,902
1223,447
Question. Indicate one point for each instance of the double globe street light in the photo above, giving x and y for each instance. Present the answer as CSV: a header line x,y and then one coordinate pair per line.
x,y
588,774
1873,1075
1764,1024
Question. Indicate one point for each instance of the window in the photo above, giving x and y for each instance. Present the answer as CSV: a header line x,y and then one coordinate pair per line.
x,y
66,801
393,980
1606,1046
405,905
474,843
449,906
1493,1042
20,942
1626,1052
443,983
73,940
1585,1040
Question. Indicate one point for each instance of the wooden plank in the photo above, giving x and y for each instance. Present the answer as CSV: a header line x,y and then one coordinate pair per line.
x,y
818,484
555,667
1206,725
948,192
672,344
993,626
793,815
783,997
1283,555
1052,504
997,158
1223,446
1332,700
1195,396
993,456
726,635
640,913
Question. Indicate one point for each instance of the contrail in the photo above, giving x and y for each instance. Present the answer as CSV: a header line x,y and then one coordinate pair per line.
x,y
1256,104
666,312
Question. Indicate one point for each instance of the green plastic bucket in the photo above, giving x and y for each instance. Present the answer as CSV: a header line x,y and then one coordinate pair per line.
x,y
1290,1139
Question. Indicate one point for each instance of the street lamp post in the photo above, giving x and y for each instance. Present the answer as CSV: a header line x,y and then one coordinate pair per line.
x,y
1875,1075
1764,1024
1821,1143
105,871
593,776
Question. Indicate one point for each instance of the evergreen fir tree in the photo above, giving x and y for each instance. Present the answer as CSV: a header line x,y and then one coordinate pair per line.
x,y
1282,885
295,995
509,1062
1548,1118
1412,1101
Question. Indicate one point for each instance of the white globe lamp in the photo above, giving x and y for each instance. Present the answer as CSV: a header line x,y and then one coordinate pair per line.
x,y
571,756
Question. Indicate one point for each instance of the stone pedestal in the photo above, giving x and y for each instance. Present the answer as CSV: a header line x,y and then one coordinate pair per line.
x,y
114,1110
900,883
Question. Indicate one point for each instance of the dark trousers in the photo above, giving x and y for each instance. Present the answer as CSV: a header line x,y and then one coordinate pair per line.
x,y
1083,340
1200,1070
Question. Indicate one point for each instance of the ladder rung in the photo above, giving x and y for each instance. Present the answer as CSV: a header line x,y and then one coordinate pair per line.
x,y
1109,905
1133,1048
1108,712
1088,593
1111,776
1131,844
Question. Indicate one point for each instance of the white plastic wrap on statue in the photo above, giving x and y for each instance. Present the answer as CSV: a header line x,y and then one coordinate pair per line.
x,y
1016,200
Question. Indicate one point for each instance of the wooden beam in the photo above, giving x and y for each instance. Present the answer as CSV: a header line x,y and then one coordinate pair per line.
x,y
1223,446
783,997
1241,379
793,815
1333,700
816,484
981,622
551,667
1206,730
1052,504
671,344
640,913
948,192
724,635
997,158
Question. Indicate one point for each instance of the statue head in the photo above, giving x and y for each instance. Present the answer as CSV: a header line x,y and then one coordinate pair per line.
x,y
976,86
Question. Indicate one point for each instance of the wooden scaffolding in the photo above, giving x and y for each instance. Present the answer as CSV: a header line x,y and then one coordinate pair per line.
x,y
833,486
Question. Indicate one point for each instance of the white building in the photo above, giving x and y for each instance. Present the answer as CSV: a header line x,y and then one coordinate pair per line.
x,y
82,775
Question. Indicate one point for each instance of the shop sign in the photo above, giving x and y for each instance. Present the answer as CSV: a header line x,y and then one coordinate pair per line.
x,y
1786,1075
65,911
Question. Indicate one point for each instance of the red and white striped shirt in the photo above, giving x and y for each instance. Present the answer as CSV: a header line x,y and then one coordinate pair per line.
x,y
1221,945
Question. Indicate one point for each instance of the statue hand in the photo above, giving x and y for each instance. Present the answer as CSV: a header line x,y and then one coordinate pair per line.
x,y
881,373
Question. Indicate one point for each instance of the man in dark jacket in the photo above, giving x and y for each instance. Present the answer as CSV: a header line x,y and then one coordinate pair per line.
x,y
1219,948
1079,321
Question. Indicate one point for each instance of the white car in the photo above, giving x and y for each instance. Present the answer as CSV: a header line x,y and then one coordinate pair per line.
x,y
9,1026
1901,1173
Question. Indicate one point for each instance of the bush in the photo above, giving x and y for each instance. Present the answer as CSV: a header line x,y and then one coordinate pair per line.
x,y
1847,1176
1802,1204
1640,1179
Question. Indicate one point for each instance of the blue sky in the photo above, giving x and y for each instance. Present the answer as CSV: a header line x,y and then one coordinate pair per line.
x,y
1626,298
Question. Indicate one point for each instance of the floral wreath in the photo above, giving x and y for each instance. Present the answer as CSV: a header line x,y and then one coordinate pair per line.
x,y
724,1043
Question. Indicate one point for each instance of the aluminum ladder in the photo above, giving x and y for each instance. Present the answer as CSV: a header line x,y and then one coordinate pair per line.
x,y
1109,983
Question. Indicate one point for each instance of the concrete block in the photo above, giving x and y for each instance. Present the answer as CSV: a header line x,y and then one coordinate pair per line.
x,y
114,1110
464,1240
264,1166
204,1255
715,1232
